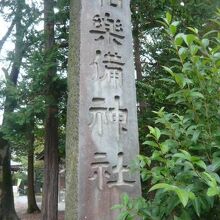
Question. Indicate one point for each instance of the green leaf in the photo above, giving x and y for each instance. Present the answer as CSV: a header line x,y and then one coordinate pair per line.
x,y
155,132
145,174
168,18
197,206
173,29
168,70
196,95
189,39
181,193
151,143
181,80
162,186
213,191
209,179
205,43
180,155
164,148
194,49
194,30
195,136
125,199
171,143
201,164
215,165
183,53
210,32
143,160
187,154
117,206
183,196
179,37
124,216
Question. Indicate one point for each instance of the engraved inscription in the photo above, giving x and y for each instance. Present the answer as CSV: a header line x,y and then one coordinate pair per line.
x,y
103,173
119,116
113,68
100,170
99,114
97,67
108,67
113,3
102,114
108,28
120,169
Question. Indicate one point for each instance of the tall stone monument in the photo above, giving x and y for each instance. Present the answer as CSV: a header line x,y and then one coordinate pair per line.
x,y
102,133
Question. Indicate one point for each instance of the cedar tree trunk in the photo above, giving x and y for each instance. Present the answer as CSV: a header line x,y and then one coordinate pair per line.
x,y
51,168
137,52
32,205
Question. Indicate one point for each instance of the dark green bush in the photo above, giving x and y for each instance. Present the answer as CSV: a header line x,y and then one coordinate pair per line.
x,y
184,161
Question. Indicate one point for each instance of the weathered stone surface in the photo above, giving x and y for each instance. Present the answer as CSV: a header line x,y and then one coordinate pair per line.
x,y
106,140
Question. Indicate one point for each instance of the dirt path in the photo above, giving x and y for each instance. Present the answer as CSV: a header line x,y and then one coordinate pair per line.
x,y
21,209
37,216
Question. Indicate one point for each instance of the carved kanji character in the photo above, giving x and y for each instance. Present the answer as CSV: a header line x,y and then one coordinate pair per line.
x,y
108,67
119,116
96,63
113,3
120,169
100,170
99,114
108,28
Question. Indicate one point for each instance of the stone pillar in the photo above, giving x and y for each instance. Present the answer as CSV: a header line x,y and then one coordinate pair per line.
x,y
102,133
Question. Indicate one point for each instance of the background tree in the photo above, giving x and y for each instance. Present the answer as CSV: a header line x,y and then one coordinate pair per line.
x,y
51,167
19,10
56,33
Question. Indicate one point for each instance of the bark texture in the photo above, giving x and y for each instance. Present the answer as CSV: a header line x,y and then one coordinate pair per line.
x,y
137,52
72,137
50,188
32,205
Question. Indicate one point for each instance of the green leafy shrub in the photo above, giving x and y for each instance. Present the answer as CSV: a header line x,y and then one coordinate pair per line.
x,y
184,161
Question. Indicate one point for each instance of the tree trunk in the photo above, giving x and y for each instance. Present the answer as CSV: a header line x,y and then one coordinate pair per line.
x,y
32,205
7,209
51,167
72,129
137,52
50,188
136,40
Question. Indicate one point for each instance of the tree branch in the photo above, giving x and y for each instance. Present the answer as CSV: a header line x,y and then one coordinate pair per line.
x,y
5,37
6,73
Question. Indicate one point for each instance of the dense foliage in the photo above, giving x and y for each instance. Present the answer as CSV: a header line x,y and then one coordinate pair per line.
x,y
184,161
151,91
